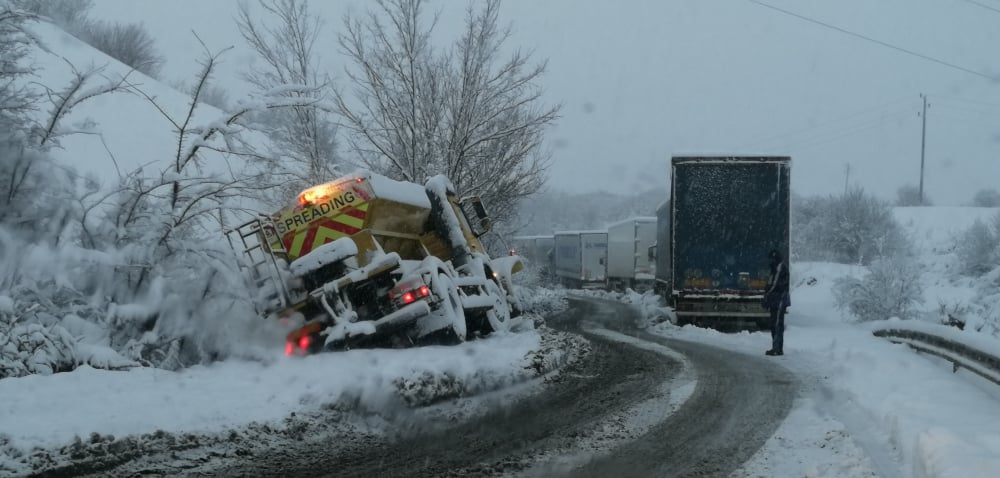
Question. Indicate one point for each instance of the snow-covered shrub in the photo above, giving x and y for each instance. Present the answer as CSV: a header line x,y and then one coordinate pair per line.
x,y
540,301
72,15
28,347
853,228
978,247
988,300
986,198
891,288
129,43
652,306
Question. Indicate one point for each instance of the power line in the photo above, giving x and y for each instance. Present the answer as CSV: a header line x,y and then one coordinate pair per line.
x,y
879,42
983,5
840,133
881,110
968,100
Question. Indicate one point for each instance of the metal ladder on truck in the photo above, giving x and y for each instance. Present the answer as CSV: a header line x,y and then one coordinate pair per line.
x,y
259,266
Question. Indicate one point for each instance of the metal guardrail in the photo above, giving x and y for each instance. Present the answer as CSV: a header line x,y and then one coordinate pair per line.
x,y
959,354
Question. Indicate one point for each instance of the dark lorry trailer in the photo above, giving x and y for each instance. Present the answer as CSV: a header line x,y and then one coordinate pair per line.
x,y
724,214
580,257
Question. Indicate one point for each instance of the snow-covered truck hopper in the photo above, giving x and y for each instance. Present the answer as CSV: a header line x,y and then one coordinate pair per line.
x,y
629,264
365,260
724,215
580,257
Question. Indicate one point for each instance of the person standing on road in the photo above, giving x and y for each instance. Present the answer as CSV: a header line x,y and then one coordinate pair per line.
x,y
776,300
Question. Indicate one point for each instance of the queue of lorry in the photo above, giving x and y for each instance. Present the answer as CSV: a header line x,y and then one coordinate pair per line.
x,y
705,251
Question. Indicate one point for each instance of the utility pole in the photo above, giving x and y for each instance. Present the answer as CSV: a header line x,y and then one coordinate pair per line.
x,y
923,143
847,176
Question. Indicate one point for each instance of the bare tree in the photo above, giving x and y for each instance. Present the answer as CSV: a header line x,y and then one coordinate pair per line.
x,y
17,101
304,136
466,111
496,119
183,194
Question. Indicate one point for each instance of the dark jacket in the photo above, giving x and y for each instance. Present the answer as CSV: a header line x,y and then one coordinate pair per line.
x,y
776,294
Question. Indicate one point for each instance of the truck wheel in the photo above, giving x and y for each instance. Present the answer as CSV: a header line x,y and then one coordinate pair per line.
x,y
450,305
498,316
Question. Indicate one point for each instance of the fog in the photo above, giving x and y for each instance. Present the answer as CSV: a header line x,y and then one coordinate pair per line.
x,y
642,80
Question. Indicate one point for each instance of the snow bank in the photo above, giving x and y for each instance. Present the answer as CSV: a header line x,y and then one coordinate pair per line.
x,y
904,414
934,229
235,393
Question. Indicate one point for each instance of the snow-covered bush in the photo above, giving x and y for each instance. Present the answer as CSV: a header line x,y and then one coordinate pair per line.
x,y
129,43
978,247
986,198
540,301
69,14
28,347
853,228
138,274
891,288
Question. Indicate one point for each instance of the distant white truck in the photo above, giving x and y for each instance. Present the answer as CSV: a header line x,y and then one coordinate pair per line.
x,y
580,257
629,264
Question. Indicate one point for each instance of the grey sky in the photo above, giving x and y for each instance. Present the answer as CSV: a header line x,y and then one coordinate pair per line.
x,y
641,80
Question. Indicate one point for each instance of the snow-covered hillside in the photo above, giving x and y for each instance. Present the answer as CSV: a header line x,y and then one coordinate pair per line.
x,y
119,132
937,233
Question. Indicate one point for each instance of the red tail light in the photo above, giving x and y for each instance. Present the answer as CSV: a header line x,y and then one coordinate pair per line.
x,y
408,297
289,348
304,342
424,291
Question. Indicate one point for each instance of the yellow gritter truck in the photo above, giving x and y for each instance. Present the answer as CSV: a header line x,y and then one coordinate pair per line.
x,y
368,261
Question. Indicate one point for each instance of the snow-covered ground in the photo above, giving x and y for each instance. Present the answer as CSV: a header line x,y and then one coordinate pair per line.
x,y
50,412
869,407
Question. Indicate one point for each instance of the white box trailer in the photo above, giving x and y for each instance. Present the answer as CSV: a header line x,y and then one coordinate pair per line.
x,y
580,257
629,263
538,251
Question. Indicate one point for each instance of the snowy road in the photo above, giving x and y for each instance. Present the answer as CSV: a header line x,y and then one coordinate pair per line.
x,y
584,423
636,405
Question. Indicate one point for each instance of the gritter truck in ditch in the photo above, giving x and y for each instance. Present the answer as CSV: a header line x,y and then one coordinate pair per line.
x,y
365,260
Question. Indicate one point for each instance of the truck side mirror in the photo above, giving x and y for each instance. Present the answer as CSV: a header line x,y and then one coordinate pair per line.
x,y
473,207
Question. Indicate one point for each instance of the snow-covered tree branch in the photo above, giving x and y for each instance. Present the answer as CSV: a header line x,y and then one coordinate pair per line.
x,y
304,137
